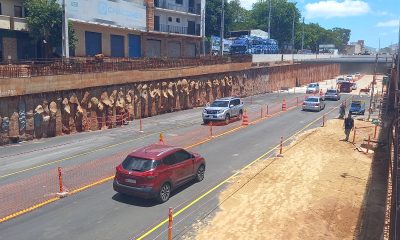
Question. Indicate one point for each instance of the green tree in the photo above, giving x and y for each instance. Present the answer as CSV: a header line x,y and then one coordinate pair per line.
x,y
240,18
342,37
45,23
213,17
282,16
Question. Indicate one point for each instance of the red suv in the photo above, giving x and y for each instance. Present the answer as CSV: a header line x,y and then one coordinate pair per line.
x,y
154,171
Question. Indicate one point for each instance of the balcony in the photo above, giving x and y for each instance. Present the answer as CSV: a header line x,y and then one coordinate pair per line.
x,y
194,31
13,23
176,7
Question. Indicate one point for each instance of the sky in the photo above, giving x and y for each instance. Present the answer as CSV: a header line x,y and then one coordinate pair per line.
x,y
369,20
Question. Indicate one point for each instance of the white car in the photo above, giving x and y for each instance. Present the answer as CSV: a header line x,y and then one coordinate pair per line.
x,y
314,103
312,88
358,74
340,80
349,78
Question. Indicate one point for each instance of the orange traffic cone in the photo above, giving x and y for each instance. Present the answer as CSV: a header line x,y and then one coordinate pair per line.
x,y
161,141
245,118
284,105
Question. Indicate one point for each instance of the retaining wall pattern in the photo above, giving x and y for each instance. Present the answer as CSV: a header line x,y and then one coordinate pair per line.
x,y
63,112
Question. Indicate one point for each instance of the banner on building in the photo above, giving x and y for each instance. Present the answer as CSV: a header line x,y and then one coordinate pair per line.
x,y
121,13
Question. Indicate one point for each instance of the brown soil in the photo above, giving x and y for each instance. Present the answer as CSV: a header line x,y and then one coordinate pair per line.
x,y
315,191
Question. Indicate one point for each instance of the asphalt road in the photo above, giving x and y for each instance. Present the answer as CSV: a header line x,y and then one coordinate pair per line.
x,y
31,158
100,213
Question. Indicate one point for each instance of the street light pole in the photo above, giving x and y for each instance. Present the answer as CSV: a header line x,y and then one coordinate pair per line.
x,y
221,41
302,38
65,37
294,16
269,20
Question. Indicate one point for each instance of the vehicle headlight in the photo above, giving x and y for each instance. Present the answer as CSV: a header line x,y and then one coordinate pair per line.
x,y
221,111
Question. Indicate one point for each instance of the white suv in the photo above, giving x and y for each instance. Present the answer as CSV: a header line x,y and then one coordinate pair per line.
x,y
223,109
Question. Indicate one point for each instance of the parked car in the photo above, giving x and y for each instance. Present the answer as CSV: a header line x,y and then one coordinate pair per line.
x,y
349,78
156,170
314,103
345,87
354,86
358,74
339,80
357,108
332,94
223,110
312,88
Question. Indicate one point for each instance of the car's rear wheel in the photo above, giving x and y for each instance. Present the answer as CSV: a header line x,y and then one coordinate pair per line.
x,y
165,193
227,118
200,173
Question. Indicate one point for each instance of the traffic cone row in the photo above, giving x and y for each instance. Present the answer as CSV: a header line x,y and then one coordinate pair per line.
x,y
245,120
284,105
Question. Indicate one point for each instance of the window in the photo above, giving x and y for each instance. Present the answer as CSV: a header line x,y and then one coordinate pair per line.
x,y
18,11
220,104
139,165
170,160
179,2
1,12
182,155
236,102
169,19
178,20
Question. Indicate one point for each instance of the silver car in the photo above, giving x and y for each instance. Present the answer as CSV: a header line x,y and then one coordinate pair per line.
x,y
312,88
223,110
332,94
314,103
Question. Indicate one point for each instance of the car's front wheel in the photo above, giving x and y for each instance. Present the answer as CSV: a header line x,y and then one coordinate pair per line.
x,y
200,173
227,118
164,193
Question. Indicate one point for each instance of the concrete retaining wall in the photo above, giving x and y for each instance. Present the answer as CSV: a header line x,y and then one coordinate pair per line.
x,y
93,106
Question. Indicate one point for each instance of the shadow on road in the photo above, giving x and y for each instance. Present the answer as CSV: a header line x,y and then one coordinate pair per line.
x,y
141,202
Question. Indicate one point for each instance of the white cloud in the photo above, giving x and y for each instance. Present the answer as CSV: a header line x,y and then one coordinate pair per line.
x,y
331,8
390,23
247,4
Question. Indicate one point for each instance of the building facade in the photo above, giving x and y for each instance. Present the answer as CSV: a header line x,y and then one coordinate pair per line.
x,y
15,43
138,28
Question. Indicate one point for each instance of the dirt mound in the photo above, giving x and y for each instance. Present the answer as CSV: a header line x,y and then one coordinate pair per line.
x,y
314,192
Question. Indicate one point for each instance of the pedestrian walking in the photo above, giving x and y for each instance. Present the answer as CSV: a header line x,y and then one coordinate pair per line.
x,y
342,110
348,126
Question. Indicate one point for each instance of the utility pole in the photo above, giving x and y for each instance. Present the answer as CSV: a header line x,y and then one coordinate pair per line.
x,y
269,20
65,37
379,46
294,15
373,88
221,41
203,28
302,38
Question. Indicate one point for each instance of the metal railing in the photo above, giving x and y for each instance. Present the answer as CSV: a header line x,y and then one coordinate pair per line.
x,y
177,29
49,67
176,7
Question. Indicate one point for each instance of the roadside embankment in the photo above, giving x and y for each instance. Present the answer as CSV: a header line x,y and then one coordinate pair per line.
x,y
316,191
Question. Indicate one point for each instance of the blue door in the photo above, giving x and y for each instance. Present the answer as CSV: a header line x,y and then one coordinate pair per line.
x,y
117,46
93,43
135,46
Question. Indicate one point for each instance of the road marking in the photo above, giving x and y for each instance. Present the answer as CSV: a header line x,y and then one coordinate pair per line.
x,y
16,214
87,153
230,177
28,210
